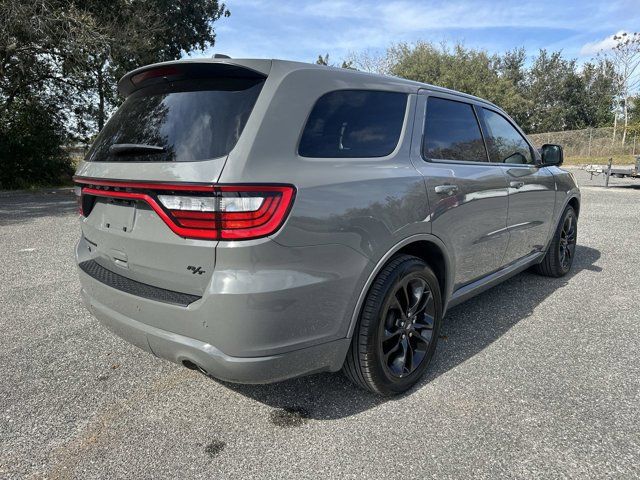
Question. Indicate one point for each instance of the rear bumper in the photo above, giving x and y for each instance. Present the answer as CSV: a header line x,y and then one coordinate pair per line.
x,y
181,349
267,313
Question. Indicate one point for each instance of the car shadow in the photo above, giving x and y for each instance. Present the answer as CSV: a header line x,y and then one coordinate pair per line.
x,y
22,207
467,330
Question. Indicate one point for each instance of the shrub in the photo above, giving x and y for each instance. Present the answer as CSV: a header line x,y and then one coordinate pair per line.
x,y
31,140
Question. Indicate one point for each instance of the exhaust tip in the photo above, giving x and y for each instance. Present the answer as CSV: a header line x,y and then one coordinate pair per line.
x,y
194,366
189,364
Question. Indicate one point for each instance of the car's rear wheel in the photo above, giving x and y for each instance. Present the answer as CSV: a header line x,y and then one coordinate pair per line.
x,y
559,257
398,328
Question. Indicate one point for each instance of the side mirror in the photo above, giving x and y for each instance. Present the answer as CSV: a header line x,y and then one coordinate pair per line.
x,y
552,155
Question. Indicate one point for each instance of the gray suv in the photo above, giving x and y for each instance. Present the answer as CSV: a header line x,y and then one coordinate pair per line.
x,y
259,220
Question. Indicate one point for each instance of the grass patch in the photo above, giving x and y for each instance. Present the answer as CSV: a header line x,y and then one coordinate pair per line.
x,y
617,160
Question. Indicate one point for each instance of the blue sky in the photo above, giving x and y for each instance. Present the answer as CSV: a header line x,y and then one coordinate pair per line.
x,y
300,30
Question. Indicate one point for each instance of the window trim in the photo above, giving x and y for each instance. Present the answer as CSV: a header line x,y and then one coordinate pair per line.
x,y
399,143
532,149
423,135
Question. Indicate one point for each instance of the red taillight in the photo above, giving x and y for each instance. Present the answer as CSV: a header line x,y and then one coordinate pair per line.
x,y
266,219
77,191
212,212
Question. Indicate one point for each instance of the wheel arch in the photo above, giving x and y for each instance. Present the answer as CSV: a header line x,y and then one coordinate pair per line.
x,y
433,256
426,247
574,202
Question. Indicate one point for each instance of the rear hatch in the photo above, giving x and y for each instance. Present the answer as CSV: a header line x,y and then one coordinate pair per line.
x,y
147,186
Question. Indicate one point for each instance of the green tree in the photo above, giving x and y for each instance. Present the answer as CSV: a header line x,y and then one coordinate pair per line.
x,y
476,72
634,110
87,45
324,60
38,40
61,59
31,139
558,94
551,94
513,86
600,81
140,32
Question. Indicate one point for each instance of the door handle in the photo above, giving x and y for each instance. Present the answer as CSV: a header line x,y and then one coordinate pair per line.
x,y
446,189
516,184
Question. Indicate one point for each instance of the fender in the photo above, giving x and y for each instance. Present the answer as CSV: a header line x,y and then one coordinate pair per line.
x,y
385,258
573,193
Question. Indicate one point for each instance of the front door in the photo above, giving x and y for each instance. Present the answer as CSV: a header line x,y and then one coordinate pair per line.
x,y
531,187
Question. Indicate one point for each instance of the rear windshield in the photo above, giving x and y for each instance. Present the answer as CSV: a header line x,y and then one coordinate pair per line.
x,y
190,120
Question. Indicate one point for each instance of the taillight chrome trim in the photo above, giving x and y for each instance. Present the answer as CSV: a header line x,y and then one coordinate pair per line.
x,y
225,225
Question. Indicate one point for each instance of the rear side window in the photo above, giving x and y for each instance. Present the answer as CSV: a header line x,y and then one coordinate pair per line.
x,y
506,145
188,120
354,123
452,132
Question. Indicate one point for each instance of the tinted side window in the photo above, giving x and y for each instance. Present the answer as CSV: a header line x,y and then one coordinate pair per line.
x,y
452,132
506,145
354,123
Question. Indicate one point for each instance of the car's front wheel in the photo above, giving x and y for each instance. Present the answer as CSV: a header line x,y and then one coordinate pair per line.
x,y
397,332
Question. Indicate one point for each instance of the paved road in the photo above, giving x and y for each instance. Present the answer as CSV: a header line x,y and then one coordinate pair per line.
x,y
536,378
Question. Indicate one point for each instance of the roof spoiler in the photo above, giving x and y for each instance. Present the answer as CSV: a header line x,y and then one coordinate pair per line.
x,y
180,70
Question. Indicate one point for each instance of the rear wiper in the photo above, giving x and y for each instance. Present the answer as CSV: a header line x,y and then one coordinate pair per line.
x,y
135,148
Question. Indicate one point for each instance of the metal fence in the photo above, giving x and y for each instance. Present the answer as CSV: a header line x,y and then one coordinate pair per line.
x,y
591,142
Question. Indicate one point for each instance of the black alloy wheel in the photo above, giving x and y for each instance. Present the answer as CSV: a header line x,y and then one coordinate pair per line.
x,y
397,332
559,258
567,243
407,329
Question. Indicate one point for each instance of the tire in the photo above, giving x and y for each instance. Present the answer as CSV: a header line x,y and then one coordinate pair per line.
x,y
407,321
559,257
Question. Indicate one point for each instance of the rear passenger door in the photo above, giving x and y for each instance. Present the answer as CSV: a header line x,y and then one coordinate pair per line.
x,y
531,187
467,194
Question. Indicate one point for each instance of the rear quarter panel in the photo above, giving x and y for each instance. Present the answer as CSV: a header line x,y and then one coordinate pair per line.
x,y
364,205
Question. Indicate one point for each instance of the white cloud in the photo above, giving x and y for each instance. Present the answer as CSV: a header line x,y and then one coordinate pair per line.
x,y
593,48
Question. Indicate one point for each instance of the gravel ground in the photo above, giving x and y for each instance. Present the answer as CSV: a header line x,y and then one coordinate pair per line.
x,y
536,378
